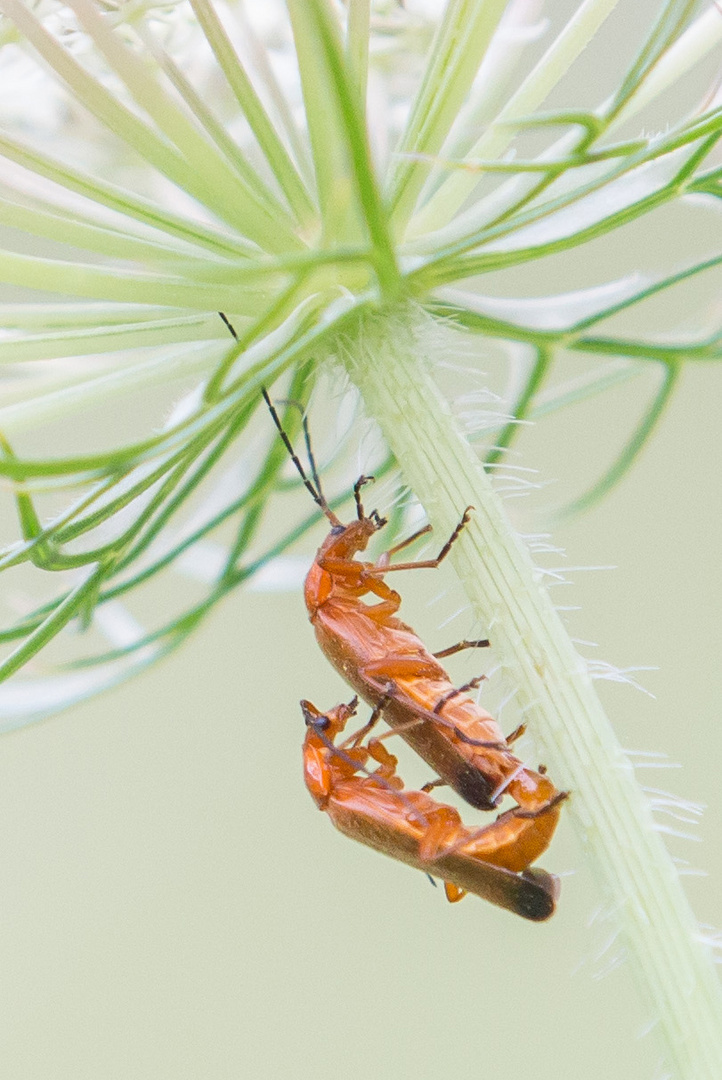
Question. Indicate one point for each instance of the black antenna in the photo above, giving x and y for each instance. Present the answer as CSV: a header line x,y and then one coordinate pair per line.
x,y
307,440
309,451
315,492
229,324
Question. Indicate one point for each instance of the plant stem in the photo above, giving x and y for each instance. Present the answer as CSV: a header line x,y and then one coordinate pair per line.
x,y
389,360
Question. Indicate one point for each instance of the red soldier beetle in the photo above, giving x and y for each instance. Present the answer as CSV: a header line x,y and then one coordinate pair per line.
x,y
386,662
373,808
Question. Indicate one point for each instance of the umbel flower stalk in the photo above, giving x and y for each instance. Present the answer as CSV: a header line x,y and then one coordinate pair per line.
x,y
352,181
390,361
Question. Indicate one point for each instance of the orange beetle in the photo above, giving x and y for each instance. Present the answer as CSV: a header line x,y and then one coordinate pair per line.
x,y
411,826
388,665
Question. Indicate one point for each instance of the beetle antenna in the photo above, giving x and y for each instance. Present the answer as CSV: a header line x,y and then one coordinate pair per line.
x,y
312,460
229,324
307,440
316,492
314,489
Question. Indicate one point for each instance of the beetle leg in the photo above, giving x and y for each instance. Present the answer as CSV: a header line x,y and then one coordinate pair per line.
x,y
383,560
539,811
432,784
453,892
410,667
431,564
516,734
484,643
358,736
387,763
390,599
472,684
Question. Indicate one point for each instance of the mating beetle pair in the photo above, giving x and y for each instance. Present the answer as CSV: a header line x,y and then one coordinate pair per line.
x,y
388,665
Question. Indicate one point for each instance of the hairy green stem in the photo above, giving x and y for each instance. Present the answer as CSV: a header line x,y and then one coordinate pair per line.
x,y
389,359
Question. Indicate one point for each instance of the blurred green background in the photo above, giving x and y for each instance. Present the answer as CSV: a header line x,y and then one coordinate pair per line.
x,y
174,906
